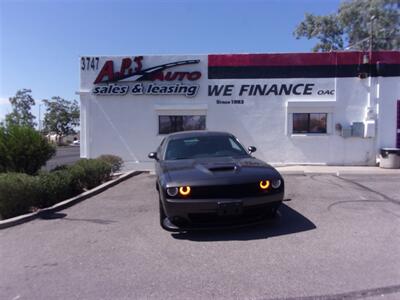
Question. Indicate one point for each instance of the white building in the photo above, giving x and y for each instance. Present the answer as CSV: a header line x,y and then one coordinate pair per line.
x,y
336,108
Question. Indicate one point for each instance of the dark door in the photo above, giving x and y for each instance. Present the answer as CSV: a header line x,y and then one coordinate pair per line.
x,y
398,124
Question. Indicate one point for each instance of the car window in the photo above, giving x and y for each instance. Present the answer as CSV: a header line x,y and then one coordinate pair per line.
x,y
160,147
203,146
234,144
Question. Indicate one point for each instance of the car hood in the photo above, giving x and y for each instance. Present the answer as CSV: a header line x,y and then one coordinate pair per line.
x,y
217,171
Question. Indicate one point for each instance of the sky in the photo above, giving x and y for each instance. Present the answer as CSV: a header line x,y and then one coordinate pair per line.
x,y
41,40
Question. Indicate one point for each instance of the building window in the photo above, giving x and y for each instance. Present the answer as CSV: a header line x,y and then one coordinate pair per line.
x,y
309,122
169,124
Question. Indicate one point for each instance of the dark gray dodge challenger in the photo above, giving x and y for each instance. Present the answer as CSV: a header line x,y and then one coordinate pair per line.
x,y
207,179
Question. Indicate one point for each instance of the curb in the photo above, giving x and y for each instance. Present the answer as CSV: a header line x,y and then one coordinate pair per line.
x,y
66,203
340,172
379,173
294,172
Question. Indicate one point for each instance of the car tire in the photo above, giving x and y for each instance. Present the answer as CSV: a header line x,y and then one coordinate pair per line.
x,y
162,213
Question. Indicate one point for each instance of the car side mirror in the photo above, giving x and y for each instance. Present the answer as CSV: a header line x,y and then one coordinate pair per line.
x,y
153,155
252,149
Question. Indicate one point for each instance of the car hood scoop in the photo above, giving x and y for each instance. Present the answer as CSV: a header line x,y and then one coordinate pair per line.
x,y
223,168
216,165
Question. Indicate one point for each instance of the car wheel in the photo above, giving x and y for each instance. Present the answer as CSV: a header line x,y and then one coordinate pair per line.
x,y
162,213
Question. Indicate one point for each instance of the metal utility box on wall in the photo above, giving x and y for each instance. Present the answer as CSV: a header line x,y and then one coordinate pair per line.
x,y
369,129
357,129
346,131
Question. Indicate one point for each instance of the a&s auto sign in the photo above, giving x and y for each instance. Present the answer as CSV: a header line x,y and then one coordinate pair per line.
x,y
137,78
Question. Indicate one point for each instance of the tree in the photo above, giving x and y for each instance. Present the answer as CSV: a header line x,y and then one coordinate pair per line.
x,y
21,110
353,23
23,149
61,116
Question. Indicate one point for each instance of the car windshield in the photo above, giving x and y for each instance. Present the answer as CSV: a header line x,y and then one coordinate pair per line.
x,y
203,146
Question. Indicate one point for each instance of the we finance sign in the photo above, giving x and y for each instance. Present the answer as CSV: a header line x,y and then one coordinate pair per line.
x,y
135,77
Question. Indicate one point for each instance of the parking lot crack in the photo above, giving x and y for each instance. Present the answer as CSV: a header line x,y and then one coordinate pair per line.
x,y
385,197
351,295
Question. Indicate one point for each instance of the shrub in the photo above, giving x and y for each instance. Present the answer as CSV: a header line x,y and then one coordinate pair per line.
x,y
67,182
18,192
23,149
54,187
3,150
96,171
77,178
59,168
116,162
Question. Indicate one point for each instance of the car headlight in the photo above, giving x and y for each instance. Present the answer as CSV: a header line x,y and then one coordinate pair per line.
x,y
184,190
276,183
264,184
172,192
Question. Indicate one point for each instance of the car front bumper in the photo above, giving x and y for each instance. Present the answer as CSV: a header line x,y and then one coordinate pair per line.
x,y
210,213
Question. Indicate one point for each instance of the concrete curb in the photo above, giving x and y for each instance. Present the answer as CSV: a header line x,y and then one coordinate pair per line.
x,y
66,203
337,171
294,172
385,172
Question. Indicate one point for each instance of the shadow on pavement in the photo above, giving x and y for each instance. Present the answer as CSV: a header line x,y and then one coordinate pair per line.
x,y
55,215
289,221
45,215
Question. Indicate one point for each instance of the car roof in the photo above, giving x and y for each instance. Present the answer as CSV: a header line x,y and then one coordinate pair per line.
x,y
196,133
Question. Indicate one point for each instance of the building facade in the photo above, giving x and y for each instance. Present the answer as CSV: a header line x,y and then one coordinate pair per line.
x,y
336,108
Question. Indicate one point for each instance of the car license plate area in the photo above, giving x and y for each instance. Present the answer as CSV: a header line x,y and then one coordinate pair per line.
x,y
230,208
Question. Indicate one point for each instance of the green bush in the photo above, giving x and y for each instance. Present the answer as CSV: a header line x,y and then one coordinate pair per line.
x,y
96,172
3,150
77,178
23,149
18,192
55,187
116,162
59,168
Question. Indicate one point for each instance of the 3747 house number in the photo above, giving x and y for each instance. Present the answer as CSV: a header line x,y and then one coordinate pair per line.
x,y
89,63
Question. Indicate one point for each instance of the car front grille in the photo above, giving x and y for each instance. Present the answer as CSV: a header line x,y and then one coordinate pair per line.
x,y
251,213
230,191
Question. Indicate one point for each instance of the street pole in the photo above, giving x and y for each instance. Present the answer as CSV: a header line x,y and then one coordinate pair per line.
x,y
40,119
373,97
371,34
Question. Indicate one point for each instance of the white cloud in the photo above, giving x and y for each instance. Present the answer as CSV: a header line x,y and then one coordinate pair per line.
x,y
4,101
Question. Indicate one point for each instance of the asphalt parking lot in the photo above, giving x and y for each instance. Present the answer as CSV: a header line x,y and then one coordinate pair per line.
x,y
65,155
338,238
